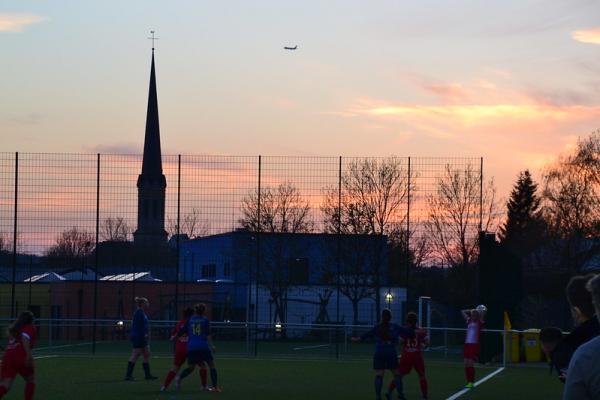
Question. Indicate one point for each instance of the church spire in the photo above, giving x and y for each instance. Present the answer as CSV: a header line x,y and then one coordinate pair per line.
x,y
151,182
152,163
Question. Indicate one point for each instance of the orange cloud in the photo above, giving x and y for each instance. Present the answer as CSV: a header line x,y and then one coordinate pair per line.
x,y
591,35
17,22
480,114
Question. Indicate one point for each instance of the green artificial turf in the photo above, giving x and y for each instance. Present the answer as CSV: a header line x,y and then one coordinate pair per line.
x,y
100,377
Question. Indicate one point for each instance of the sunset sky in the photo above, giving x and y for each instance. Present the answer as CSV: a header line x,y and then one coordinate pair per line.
x,y
513,81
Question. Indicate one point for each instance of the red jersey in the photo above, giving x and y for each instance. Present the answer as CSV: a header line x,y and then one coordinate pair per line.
x,y
181,343
16,343
417,343
473,331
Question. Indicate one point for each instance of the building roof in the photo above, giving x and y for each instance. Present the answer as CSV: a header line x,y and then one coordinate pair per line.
x,y
136,276
46,277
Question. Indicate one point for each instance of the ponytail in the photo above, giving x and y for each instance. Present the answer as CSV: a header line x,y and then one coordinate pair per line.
x,y
25,318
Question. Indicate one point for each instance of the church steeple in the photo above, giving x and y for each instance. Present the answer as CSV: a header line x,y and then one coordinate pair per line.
x,y
152,163
151,182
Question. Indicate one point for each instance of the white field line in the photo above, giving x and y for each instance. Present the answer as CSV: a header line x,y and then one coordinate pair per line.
x,y
318,346
64,346
38,357
479,382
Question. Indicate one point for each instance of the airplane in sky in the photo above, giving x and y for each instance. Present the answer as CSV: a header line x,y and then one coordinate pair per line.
x,y
290,48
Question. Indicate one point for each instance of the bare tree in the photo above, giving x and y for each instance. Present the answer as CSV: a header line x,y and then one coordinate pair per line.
x,y
115,229
571,200
192,224
455,214
374,193
283,211
71,248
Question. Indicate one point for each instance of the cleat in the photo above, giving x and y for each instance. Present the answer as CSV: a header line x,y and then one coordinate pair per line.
x,y
206,389
163,388
151,378
388,396
469,385
129,378
216,389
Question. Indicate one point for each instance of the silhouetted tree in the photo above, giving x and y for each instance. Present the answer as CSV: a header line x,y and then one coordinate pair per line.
x,y
71,248
524,228
283,210
373,196
571,205
192,225
453,226
115,229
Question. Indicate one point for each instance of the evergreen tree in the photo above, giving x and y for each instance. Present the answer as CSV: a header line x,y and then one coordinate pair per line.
x,y
524,227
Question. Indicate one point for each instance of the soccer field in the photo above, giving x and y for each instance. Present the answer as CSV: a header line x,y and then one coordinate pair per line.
x,y
101,377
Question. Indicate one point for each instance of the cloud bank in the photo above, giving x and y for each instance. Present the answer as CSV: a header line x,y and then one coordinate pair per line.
x,y
17,22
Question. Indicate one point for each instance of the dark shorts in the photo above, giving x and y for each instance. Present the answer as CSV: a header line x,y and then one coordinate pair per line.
x,y
199,356
385,360
138,342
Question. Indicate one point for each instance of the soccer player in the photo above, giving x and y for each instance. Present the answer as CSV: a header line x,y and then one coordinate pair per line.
x,y
200,346
17,359
475,320
139,339
387,336
181,352
412,355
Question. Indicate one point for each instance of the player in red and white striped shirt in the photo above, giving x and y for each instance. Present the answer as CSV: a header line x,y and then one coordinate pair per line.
x,y
17,359
475,321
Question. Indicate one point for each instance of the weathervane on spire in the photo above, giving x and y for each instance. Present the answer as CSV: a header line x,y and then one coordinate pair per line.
x,y
153,39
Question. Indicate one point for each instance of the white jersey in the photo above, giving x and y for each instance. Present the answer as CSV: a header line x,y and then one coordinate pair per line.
x,y
473,331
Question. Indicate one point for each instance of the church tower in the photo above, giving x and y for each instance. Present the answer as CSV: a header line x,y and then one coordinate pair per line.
x,y
151,182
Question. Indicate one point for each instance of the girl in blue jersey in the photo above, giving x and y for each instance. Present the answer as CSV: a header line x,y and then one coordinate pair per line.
x,y
139,339
387,336
200,346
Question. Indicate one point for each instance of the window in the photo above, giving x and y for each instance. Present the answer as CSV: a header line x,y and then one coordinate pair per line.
x,y
298,270
209,271
226,270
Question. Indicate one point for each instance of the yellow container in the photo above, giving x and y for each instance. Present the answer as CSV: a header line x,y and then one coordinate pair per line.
x,y
514,346
531,341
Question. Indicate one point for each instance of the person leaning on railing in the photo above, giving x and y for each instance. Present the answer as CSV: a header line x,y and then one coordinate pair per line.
x,y
583,378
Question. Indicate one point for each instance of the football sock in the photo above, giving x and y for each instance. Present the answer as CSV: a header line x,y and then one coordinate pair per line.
x,y
398,382
424,388
378,385
213,377
130,366
186,372
470,374
392,386
169,378
146,369
29,389
203,377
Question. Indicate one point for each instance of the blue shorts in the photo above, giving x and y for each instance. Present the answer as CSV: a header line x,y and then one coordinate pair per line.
x,y
385,360
196,357
139,342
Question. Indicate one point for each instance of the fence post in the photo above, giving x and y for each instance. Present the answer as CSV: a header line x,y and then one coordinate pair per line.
x,y
13,310
339,257
408,235
481,195
97,251
178,234
256,277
